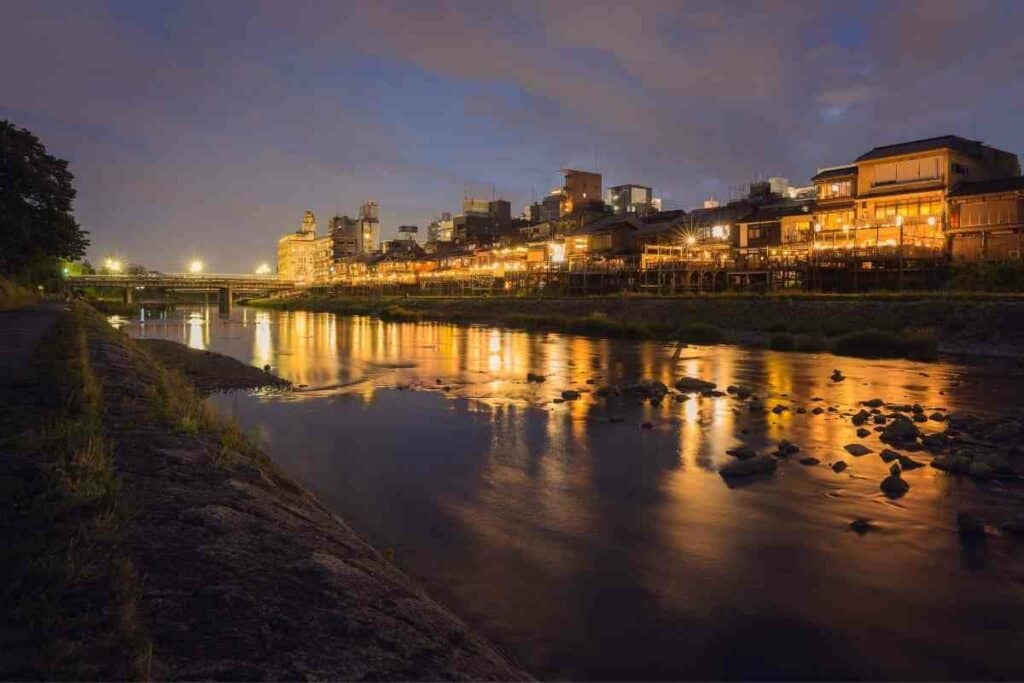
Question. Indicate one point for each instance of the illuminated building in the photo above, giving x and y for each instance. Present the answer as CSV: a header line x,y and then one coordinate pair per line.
x,y
582,189
623,199
369,227
987,220
302,256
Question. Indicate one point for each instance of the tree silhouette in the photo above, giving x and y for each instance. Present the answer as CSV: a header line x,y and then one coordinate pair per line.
x,y
36,224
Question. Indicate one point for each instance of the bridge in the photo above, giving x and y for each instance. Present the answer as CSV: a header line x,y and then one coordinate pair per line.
x,y
226,285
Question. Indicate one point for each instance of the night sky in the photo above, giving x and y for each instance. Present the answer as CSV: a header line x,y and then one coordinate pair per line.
x,y
207,128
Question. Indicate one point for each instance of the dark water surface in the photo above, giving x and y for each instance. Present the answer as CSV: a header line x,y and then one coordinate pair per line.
x,y
597,550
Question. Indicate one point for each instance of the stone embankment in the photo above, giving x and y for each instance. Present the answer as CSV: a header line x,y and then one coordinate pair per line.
x,y
225,568
955,323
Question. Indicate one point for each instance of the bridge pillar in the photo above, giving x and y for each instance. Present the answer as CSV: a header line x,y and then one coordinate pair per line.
x,y
127,295
224,300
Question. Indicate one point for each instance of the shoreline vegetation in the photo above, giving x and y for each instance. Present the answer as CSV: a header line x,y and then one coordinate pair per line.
x,y
915,326
147,537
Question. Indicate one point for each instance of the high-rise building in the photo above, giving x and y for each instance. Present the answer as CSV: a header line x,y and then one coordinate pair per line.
x,y
369,227
500,212
442,229
623,199
581,189
475,207
345,236
303,257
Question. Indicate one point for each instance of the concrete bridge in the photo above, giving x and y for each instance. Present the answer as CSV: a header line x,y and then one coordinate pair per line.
x,y
226,285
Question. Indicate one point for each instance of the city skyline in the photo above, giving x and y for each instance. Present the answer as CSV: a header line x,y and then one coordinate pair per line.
x,y
207,129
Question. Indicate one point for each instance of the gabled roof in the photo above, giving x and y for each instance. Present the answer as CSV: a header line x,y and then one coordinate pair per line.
x,y
972,147
776,212
609,223
963,189
835,172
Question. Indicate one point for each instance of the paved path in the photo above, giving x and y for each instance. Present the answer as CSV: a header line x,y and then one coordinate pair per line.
x,y
20,331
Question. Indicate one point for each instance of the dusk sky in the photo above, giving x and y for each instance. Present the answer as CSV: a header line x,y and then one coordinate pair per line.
x,y
207,128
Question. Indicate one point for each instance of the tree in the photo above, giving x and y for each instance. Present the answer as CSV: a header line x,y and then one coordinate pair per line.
x,y
36,224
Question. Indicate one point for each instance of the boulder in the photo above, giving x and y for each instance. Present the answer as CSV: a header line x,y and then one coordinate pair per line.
x,y
570,395
691,384
935,443
761,464
893,486
863,432
873,403
838,466
818,410
837,376
879,419
908,463
809,460
889,455
861,417
937,417
900,430
785,448
742,452
920,417
857,449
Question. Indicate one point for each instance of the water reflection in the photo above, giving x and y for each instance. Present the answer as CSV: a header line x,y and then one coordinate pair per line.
x,y
599,549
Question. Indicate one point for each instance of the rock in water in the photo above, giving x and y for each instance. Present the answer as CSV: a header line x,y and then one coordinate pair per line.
x,y
742,452
786,448
838,466
533,377
900,431
861,525
693,384
979,470
570,395
857,449
863,432
893,486
760,464
837,376
808,460
860,418
908,463
889,455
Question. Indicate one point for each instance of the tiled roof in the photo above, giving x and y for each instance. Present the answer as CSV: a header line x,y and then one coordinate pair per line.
x,y
942,142
835,172
987,186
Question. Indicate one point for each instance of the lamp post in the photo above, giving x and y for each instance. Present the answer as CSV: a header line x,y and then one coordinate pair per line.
x,y
899,224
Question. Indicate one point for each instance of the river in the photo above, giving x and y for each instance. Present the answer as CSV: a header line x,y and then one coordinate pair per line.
x,y
590,549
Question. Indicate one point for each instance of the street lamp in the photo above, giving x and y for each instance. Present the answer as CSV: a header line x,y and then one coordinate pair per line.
x,y
195,267
263,269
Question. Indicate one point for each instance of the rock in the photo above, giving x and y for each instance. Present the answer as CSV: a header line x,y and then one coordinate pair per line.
x,y
602,391
998,463
801,410
908,463
533,377
837,376
714,393
863,432
779,408
873,403
889,455
647,388
691,384
917,408
646,425
951,463
570,395
937,417
893,486
266,368
591,380
935,443
920,417
879,419
786,449
970,528
809,460
1005,431
861,417
960,420
900,430
742,452
979,470
838,466
818,410
558,400
861,525
760,464
681,397
857,449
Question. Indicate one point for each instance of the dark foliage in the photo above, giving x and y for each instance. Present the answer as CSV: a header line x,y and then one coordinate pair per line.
x,y
36,224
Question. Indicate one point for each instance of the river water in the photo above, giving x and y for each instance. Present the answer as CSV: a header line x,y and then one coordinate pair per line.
x,y
591,549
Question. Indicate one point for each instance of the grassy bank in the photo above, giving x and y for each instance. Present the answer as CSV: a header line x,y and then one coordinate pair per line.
x,y
880,325
71,594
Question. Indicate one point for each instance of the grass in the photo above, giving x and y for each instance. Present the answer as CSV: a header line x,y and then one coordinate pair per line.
x,y
916,344
71,592
15,296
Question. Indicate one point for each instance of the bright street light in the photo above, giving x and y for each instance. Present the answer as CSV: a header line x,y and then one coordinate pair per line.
x,y
263,269
113,265
195,267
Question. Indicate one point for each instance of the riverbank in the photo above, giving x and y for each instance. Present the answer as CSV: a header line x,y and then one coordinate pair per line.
x,y
146,538
208,371
896,325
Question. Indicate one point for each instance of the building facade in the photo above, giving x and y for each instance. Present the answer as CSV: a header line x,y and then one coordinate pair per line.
x,y
624,199
987,220
302,257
